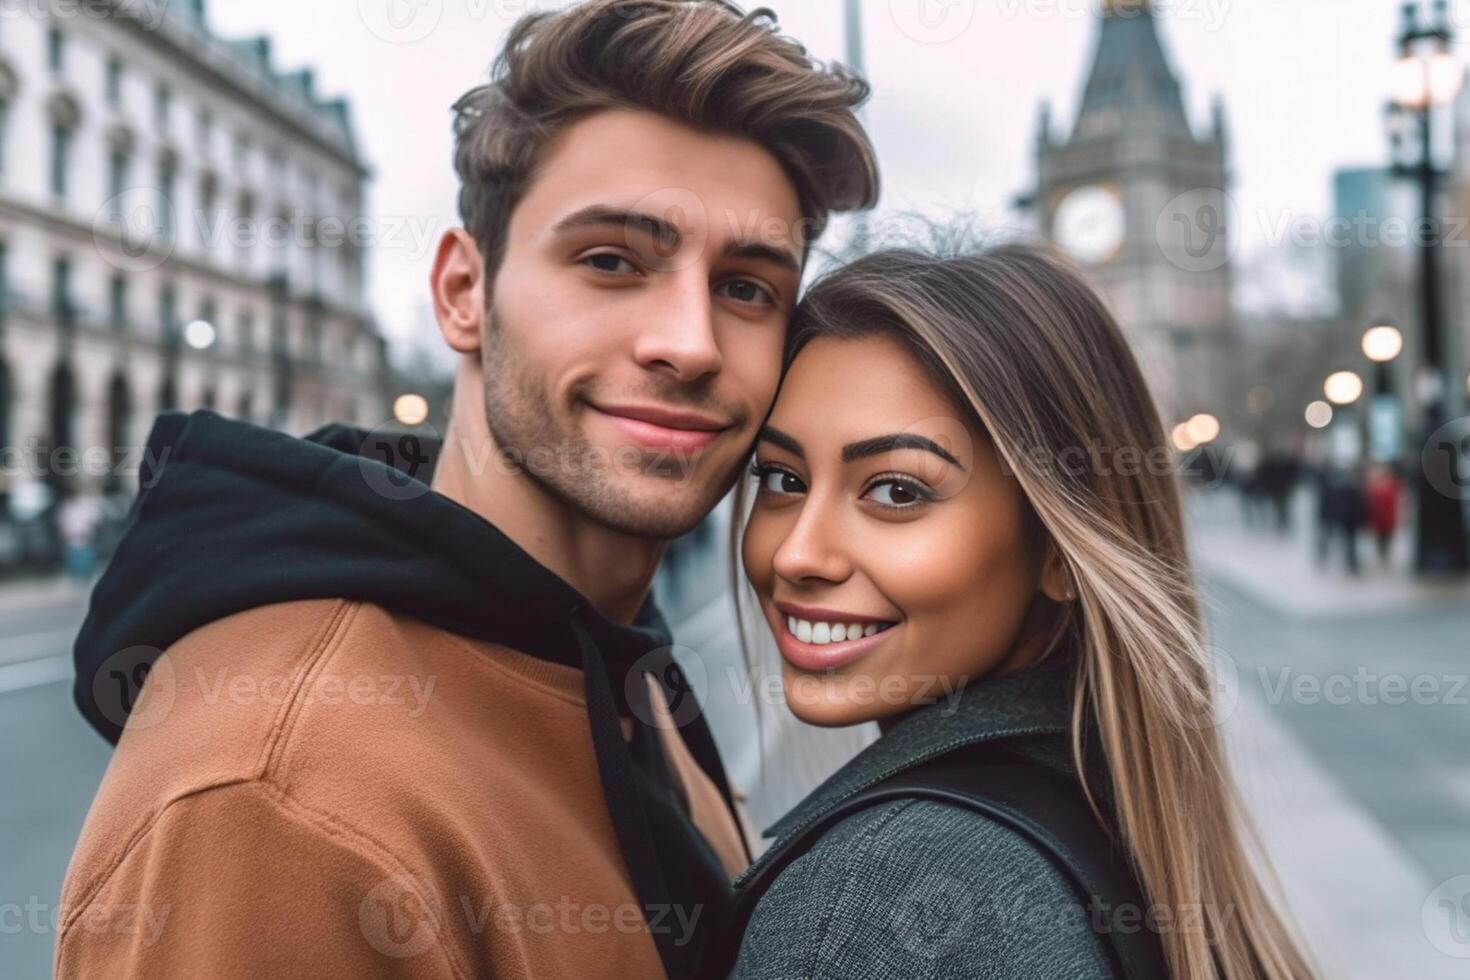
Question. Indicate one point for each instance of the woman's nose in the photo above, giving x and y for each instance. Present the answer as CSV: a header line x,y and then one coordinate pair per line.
x,y
814,547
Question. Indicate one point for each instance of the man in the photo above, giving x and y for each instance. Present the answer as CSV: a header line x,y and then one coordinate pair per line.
x,y
423,732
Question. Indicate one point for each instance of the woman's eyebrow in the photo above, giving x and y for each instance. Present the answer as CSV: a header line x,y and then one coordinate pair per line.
x,y
864,448
898,440
780,440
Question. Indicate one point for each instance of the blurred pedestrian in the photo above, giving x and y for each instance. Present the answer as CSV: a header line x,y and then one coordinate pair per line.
x,y
1383,491
1341,511
77,520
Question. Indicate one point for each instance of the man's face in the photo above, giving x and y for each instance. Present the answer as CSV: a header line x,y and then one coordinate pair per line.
x,y
635,325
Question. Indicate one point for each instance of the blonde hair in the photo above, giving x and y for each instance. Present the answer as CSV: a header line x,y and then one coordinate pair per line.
x,y
701,62
1015,334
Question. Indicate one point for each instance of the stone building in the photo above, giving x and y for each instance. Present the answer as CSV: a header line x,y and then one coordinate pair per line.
x,y
180,227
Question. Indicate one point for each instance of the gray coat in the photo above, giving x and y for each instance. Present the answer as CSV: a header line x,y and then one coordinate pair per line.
x,y
924,889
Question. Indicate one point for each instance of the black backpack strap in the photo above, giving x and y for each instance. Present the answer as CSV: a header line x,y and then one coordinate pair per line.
x,y
1043,806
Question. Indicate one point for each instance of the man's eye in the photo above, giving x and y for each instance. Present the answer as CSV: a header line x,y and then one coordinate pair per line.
x,y
746,291
609,262
773,479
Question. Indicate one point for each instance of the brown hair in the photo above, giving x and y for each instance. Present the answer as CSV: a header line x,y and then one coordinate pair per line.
x,y
1020,340
701,62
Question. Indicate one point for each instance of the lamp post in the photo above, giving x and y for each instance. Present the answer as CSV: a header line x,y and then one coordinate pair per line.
x,y
1381,345
1428,77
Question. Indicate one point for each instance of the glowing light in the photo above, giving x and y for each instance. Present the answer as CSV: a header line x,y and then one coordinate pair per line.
x,y
411,409
1383,343
1343,388
200,334
1203,428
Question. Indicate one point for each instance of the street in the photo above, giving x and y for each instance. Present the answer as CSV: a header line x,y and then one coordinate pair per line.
x,y
1347,729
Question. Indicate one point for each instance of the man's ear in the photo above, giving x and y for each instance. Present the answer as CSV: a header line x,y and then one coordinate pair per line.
x,y
457,284
1056,581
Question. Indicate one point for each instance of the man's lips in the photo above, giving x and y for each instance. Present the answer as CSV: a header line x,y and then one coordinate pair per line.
x,y
663,428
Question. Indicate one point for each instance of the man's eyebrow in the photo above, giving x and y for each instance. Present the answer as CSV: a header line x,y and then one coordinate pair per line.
x,y
602,216
765,253
865,448
668,236
898,440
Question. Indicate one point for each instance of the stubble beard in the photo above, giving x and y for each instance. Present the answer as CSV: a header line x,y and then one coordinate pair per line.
x,y
528,426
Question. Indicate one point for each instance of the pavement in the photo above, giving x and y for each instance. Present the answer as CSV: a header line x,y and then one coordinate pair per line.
x,y
1343,711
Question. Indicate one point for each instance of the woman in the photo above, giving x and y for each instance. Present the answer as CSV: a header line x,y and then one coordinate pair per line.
x,y
965,527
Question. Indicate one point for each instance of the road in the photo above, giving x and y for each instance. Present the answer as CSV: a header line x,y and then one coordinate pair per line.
x,y
1388,766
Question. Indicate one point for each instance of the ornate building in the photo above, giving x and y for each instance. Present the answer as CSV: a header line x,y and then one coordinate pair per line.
x,y
1139,201
180,227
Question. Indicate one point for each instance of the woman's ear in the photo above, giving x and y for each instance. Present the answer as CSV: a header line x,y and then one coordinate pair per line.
x,y
1056,581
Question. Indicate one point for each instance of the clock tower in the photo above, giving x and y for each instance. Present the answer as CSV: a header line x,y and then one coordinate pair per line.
x,y
1139,203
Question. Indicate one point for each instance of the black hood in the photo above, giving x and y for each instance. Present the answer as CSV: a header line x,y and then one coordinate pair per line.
x,y
231,516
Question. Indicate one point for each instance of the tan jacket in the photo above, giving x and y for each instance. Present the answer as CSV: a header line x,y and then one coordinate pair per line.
x,y
323,788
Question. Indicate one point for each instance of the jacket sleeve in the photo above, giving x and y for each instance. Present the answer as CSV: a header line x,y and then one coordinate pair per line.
x,y
237,882
921,889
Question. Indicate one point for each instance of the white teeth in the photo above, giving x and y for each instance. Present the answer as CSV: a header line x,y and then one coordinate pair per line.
x,y
824,633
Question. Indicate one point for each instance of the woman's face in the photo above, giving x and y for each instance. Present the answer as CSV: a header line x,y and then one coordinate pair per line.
x,y
886,544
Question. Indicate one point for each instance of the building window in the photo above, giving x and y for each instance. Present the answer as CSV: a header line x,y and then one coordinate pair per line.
x,y
118,302
205,129
4,276
61,304
245,331
162,99
207,209
60,158
114,81
55,49
117,180
168,309
166,174
4,130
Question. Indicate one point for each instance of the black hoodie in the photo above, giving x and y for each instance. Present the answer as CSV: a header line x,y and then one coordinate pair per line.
x,y
231,516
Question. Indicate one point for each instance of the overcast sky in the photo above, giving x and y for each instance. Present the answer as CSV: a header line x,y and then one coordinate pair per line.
x,y
957,84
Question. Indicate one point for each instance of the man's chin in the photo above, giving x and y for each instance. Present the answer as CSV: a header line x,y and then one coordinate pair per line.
x,y
650,507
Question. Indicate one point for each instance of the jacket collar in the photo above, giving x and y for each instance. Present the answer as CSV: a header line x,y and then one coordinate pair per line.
x,y
1032,701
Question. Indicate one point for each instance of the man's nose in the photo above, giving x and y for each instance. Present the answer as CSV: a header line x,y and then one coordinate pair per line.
x,y
678,336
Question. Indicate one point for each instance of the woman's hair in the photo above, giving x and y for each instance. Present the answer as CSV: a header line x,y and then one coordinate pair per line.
x,y
1014,333
700,62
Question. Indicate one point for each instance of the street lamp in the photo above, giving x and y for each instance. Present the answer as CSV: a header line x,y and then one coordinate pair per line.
x,y
1381,345
1429,76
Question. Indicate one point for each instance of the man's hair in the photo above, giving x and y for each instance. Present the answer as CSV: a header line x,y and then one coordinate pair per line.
x,y
700,62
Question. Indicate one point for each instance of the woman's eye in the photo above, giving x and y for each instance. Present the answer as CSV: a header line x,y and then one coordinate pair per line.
x,y
896,493
609,262
746,291
771,479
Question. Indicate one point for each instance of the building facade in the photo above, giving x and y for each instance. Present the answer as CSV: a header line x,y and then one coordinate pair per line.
x,y
181,227
1140,202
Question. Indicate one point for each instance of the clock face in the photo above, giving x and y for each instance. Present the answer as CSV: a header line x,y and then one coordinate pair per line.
x,y
1089,224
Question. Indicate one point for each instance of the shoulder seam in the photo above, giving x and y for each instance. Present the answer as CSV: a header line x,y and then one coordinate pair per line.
x,y
320,822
